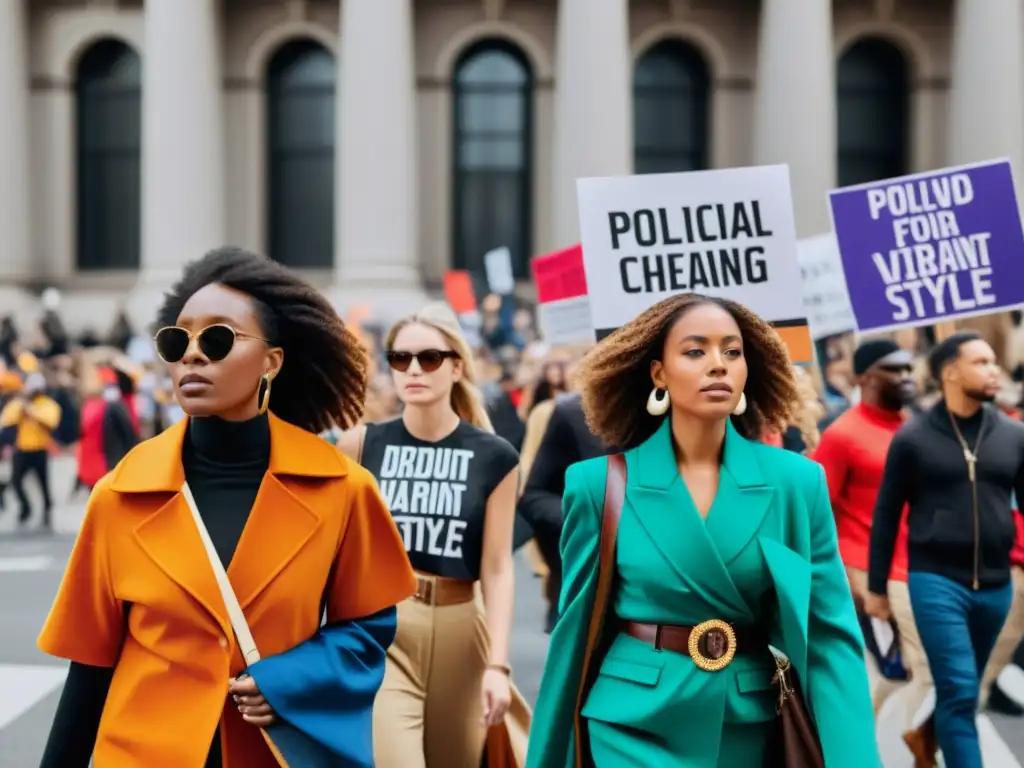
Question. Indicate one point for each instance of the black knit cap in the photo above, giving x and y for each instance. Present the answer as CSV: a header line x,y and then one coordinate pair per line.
x,y
871,351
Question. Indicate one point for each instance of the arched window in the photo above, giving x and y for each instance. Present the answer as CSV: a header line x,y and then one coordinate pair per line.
x,y
671,87
108,91
300,155
872,112
492,97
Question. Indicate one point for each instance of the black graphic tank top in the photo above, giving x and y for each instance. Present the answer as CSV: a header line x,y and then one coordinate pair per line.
x,y
437,492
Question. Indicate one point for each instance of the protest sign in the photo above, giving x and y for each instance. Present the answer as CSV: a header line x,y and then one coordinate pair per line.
x,y
459,291
931,247
563,307
461,297
825,298
727,233
498,268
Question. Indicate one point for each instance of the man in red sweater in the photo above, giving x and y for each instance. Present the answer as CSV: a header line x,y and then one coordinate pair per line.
x,y
852,451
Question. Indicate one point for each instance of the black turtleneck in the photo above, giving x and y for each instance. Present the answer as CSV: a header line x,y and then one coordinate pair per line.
x,y
970,427
224,465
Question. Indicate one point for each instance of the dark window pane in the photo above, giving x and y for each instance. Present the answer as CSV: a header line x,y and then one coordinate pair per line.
x,y
491,153
300,155
302,121
497,109
108,95
490,204
493,66
671,91
493,104
873,107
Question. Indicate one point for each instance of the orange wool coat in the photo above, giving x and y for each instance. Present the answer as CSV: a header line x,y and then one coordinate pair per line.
x,y
318,527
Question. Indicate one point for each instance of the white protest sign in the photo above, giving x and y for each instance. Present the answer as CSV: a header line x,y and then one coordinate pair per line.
x,y
498,267
472,324
824,286
563,307
726,233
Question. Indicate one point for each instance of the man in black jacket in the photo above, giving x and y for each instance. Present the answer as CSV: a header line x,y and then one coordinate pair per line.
x,y
566,441
956,466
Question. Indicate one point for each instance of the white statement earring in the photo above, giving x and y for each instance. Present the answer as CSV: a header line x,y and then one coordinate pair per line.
x,y
741,406
658,402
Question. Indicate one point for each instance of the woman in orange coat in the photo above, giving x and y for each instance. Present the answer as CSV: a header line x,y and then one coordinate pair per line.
x,y
261,364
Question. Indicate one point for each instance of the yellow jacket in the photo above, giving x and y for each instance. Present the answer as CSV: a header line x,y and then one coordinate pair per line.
x,y
35,420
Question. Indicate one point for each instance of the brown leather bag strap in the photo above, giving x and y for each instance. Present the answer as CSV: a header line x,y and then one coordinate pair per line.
x,y
614,497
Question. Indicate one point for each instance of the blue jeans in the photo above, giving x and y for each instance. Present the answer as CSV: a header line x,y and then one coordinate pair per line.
x,y
958,629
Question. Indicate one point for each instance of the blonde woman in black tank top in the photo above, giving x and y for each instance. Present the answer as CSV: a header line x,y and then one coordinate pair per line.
x,y
451,486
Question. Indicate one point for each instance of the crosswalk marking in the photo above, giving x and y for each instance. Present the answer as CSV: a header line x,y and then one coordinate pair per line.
x,y
25,564
1011,682
994,751
894,753
24,686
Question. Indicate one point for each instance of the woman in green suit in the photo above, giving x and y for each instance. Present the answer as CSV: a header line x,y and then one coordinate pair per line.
x,y
716,530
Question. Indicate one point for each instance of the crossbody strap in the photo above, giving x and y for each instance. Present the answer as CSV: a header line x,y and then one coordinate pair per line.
x,y
362,442
614,498
246,644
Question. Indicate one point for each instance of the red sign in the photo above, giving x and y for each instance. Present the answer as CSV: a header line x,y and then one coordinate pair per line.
x,y
559,275
458,291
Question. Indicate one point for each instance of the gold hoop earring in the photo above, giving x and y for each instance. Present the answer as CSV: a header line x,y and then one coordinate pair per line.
x,y
265,379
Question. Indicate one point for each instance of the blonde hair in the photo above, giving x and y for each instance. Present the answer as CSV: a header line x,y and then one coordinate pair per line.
x,y
467,401
810,411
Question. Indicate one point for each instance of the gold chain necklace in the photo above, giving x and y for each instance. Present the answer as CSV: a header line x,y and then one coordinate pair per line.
x,y
971,457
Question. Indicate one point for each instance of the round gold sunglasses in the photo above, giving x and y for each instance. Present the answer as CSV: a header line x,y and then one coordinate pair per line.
x,y
215,341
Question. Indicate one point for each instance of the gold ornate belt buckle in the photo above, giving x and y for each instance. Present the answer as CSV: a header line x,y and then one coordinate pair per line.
x,y
712,645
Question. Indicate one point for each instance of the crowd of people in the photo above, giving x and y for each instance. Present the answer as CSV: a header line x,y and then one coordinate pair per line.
x,y
100,382
466,452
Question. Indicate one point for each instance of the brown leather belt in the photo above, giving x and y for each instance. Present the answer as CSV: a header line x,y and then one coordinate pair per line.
x,y
711,644
439,591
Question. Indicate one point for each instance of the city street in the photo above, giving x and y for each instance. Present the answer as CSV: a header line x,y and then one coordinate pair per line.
x,y
30,569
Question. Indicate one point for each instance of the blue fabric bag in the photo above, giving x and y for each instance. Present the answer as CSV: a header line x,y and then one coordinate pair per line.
x,y
890,661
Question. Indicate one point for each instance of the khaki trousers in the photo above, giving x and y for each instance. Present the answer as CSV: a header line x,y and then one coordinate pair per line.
x,y
538,565
1008,640
428,711
911,650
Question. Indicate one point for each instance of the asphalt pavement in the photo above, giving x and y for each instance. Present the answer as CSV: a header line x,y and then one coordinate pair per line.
x,y
31,565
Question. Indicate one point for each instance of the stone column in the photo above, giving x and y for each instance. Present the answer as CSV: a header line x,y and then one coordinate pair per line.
x,y
16,256
795,118
376,226
986,111
182,136
987,99
593,103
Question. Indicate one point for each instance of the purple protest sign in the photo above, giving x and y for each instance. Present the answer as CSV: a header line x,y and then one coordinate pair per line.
x,y
930,247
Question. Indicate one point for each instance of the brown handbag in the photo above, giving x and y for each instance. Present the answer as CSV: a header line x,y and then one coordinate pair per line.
x,y
799,745
798,742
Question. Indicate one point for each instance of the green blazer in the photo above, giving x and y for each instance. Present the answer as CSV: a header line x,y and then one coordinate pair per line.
x,y
765,554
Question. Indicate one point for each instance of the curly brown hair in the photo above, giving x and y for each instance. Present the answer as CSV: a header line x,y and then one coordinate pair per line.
x,y
615,376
